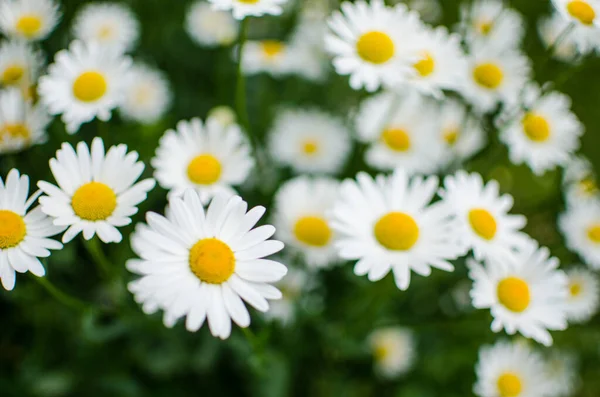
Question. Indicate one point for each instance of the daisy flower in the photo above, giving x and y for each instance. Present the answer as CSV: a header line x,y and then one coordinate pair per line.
x,y
584,295
525,293
368,43
84,82
147,94
270,56
389,223
96,192
202,264
208,157
309,141
308,49
28,19
24,233
223,114
244,8
21,123
585,16
563,371
292,286
579,181
111,25
209,27
301,221
511,370
484,222
19,64
393,350
550,29
490,22
580,226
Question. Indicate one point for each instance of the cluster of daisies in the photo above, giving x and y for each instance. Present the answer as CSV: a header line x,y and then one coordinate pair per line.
x,y
431,101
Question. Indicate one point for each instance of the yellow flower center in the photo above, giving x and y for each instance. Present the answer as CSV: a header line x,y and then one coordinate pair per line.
x,y
16,130
248,1
381,352
29,25
513,293
106,32
212,261
485,26
536,127
451,135
396,139
594,233
204,169
588,186
397,231
12,229
313,230
575,289
483,223
375,47
509,385
488,75
272,48
89,86
13,74
582,11
426,65
310,147
94,201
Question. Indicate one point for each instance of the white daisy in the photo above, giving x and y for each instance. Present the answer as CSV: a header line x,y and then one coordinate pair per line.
x,y
565,46
292,286
244,8
300,218
579,182
147,94
21,123
585,15
368,42
484,222
270,56
96,192
24,233
393,350
210,27
86,81
201,264
584,295
307,47
111,25
563,372
223,114
28,19
389,223
208,157
309,141
20,64
525,293
580,226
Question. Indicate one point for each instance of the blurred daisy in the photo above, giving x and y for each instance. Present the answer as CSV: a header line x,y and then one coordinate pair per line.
x,y
490,22
84,82
584,295
579,181
584,15
208,157
309,141
243,8
19,64
28,19
393,350
563,372
389,223
484,223
270,56
223,114
292,286
308,49
525,294
147,94
96,192
368,42
24,233
552,32
21,123
111,25
300,218
580,226
201,264
209,27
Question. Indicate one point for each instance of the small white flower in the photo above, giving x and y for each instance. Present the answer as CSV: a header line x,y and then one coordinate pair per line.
x,y
28,19
244,8
19,64
580,226
393,350
147,95
554,28
308,49
21,123
490,22
580,182
223,114
584,15
584,295
210,27
270,56
563,372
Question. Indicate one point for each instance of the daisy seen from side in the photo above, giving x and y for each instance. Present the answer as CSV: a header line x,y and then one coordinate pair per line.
x,y
20,64
580,226
21,123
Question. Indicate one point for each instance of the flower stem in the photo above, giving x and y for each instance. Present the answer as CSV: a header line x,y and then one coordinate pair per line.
x,y
61,296
94,248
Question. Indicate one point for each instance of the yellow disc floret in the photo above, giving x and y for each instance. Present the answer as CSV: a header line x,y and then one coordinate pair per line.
x,y
582,11
397,231
488,75
375,47
204,169
313,230
425,66
13,74
396,139
513,293
89,86
593,233
536,127
29,25
509,385
272,48
483,223
94,201
12,229
15,130
310,147
212,261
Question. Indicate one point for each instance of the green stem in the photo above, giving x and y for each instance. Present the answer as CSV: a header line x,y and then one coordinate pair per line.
x,y
240,94
61,296
94,248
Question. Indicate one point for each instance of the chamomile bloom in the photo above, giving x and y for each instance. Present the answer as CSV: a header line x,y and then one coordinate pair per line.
x,y
525,293
208,157
270,56
301,220
550,30
580,226
584,295
209,27
308,48
579,182
223,114
28,19
585,16
111,25
201,264
96,192
20,64
24,232
368,43
309,141
84,82
490,22
393,350
147,95
563,372
389,223
244,8
484,222
21,123
511,370
292,286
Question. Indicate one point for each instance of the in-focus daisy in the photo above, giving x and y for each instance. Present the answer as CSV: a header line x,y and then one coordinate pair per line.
x,y
19,64
511,370
563,372
584,295
147,94
393,350
292,286
96,192
24,233
84,82
579,181
552,32
21,123
389,223
301,206
484,223
580,226
271,56
309,141
368,43
585,15
208,157
204,264
243,8
28,19
209,27
490,22
525,293
111,25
